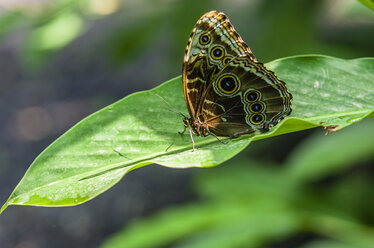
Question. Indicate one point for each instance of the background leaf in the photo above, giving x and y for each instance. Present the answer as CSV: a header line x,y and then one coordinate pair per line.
x,y
318,157
369,3
233,211
139,130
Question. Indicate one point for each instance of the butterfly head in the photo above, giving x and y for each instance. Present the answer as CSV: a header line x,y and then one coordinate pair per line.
x,y
186,122
196,127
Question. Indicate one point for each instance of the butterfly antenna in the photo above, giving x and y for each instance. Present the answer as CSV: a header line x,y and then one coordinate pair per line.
x,y
171,108
169,147
120,154
215,136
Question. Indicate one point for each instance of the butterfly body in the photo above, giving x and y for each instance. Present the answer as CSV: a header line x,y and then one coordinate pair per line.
x,y
198,128
227,91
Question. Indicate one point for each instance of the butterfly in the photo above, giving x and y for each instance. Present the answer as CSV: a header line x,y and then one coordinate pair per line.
x,y
227,91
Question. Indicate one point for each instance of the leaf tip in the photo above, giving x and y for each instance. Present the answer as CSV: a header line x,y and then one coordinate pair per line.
x,y
3,208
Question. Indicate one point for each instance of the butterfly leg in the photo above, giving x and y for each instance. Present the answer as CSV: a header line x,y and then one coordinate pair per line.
x,y
182,131
191,136
193,142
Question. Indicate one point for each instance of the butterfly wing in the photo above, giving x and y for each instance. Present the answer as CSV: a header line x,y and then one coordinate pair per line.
x,y
202,60
225,88
244,97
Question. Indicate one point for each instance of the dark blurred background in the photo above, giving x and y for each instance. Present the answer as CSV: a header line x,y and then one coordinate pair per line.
x,y
63,60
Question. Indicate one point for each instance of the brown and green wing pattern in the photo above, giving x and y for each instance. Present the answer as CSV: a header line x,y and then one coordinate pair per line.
x,y
260,101
227,92
199,65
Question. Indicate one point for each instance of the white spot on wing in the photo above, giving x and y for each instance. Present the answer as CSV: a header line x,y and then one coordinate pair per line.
x,y
214,103
208,112
191,90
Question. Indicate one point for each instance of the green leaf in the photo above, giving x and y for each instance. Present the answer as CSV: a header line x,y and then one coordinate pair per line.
x,y
329,91
165,227
328,244
9,21
207,225
254,214
347,231
245,204
140,129
53,35
320,155
369,3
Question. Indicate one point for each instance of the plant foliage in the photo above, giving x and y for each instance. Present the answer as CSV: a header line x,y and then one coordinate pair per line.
x,y
140,129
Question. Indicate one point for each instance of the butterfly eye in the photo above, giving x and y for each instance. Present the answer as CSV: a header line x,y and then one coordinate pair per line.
x,y
252,96
256,107
226,60
204,39
257,119
217,52
228,84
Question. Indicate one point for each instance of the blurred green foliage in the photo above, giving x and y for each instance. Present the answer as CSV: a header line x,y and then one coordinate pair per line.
x,y
369,3
319,190
45,28
324,188
272,28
